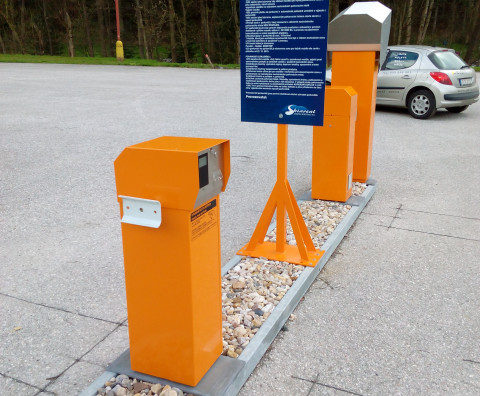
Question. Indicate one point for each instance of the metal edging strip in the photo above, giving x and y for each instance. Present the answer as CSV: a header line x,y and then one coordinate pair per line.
x,y
232,263
92,389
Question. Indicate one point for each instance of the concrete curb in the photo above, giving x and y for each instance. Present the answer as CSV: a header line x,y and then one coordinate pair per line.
x,y
271,327
91,390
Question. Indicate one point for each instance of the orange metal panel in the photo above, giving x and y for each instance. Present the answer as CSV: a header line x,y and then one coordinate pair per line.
x,y
206,290
179,144
359,70
173,285
333,146
339,101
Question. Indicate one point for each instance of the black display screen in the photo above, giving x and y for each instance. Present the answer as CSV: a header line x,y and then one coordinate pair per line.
x,y
203,169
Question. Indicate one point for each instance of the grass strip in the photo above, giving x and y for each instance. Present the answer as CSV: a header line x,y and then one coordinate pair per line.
x,y
78,60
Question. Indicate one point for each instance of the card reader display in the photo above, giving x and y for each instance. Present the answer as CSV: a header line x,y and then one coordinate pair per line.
x,y
203,170
210,177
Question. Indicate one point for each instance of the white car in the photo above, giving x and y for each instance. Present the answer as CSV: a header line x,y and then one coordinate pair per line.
x,y
424,79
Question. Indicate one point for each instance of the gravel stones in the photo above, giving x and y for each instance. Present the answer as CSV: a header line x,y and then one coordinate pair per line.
x,y
244,310
238,286
321,218
140,386
358,188
120,390
122,385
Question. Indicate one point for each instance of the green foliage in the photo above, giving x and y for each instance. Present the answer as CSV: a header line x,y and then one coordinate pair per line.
x,y
196,53
130,52
162,52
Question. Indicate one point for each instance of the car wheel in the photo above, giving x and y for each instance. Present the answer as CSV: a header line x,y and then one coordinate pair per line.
x,y
458,109
421,104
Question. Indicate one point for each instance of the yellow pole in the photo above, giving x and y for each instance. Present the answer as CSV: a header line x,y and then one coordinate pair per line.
x,y
119,51
119,45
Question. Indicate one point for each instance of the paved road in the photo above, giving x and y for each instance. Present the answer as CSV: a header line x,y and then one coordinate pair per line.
x,y
396,312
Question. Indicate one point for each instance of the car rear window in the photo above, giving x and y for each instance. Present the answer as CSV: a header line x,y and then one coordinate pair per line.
x,y
400,60
446,60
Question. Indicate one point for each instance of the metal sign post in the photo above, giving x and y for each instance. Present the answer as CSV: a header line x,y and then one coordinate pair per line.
x,y
283,200
284,47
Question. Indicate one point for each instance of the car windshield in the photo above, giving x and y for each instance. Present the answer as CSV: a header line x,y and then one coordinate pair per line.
x,y
446,60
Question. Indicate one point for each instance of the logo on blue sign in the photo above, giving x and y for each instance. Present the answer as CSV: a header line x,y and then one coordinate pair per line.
x,y
294,110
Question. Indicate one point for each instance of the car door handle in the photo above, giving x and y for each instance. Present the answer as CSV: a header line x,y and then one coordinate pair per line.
x,y
406,77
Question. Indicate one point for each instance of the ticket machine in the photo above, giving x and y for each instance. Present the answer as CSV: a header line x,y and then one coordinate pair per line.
x,y
168,189
358,38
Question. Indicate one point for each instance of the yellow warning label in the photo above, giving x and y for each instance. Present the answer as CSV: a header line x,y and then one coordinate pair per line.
x,y
203,219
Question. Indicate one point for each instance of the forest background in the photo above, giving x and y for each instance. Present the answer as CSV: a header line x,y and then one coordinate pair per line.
x,y
183,31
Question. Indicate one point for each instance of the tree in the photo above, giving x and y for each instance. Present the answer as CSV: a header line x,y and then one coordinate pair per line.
x,y
69,28
425,20
8,15
334,9
47,26
2,45
155,13
171,20
86,26
399,23
236,21
408,22
474,34
101,25
204,41
182,30
142,40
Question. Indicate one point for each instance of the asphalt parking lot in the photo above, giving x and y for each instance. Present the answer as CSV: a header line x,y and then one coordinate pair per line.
x,y
394,312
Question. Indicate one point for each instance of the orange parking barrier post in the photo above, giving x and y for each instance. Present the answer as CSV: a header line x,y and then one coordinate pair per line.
x,y
333,146
283,201
358,38
169,189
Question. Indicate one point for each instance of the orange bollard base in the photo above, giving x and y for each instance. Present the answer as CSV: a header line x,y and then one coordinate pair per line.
x,y
290,254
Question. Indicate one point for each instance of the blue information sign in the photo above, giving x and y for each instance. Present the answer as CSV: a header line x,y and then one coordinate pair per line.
x,y
283,48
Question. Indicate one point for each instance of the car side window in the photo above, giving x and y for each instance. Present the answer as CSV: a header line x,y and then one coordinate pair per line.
x,y
397,60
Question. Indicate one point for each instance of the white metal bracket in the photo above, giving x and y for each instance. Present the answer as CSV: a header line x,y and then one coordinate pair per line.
x,y
142,212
